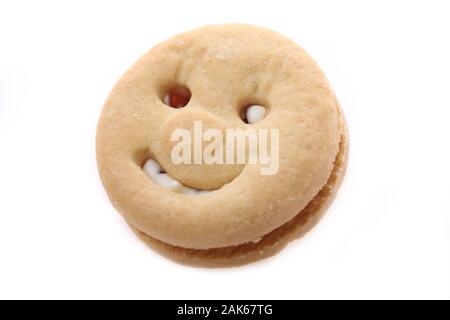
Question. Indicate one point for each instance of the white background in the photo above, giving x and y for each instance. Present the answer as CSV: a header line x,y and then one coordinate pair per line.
x,y
386,236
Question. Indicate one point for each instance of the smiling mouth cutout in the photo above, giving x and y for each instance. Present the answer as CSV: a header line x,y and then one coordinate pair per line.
x,y
162,178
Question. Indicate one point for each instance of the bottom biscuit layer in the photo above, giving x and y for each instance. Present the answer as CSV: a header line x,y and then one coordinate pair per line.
x,y
271,243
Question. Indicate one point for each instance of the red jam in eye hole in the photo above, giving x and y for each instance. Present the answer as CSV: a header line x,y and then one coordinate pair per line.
x,y
177,97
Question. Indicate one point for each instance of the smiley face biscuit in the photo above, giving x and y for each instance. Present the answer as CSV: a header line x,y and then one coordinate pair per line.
x,y
221,77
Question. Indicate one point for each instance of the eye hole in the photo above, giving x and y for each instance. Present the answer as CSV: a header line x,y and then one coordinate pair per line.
x,y
253,113
177,97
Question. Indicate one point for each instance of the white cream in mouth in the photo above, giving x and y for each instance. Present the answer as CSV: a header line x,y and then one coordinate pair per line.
x,y
156,173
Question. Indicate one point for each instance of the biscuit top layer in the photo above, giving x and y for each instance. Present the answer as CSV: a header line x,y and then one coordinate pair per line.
x,y
225,67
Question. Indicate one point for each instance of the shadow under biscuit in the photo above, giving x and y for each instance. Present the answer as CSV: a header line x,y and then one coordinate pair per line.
x,y
271,243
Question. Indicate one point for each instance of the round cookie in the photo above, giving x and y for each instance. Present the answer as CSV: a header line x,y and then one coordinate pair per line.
x,y
248,216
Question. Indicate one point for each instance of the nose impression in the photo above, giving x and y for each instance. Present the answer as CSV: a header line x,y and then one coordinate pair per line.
x,y
188,142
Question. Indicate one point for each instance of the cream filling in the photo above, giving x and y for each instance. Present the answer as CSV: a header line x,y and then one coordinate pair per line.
x,y
157,174
255,113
